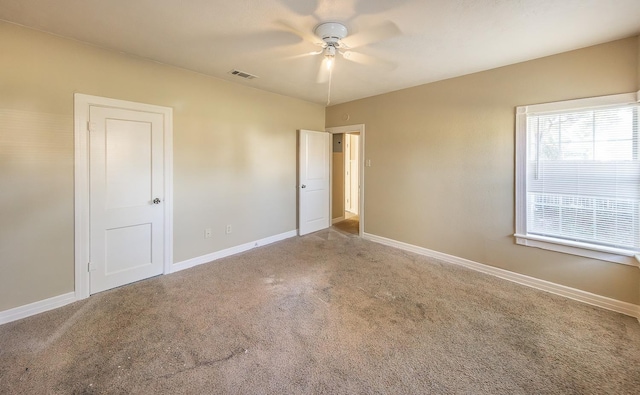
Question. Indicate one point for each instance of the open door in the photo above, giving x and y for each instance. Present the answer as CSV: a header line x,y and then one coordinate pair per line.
x,y
313,181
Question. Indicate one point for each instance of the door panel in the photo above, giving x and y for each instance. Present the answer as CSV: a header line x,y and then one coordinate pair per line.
x,y
314,151
127,248
315,200
126,175
128,157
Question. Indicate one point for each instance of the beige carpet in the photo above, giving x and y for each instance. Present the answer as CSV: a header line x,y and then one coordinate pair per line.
x,y
350,225
322,314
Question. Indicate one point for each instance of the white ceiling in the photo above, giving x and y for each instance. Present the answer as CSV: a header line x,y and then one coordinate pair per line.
x,y
439,38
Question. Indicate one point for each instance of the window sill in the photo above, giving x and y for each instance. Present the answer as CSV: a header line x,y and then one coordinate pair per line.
x,y
624,257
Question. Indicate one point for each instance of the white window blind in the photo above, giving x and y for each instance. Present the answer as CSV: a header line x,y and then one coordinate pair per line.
x,y
581,175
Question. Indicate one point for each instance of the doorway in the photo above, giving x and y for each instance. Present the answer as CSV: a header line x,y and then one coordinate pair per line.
x,y
347,179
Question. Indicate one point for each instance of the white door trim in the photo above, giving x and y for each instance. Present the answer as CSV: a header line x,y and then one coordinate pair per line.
x,y
353,129
82,103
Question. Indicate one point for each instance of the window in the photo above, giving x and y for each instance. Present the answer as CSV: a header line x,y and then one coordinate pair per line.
x,y
578,177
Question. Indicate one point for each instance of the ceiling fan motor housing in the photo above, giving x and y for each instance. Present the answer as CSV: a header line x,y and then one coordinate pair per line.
x,y
331,32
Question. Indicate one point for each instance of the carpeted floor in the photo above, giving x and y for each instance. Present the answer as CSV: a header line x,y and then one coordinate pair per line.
x,y
350,225
323,314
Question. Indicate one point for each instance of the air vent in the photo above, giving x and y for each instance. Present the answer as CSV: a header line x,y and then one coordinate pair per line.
x,y
243,74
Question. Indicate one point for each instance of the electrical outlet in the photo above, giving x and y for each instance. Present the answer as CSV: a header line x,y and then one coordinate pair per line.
x,y
207,233
228,229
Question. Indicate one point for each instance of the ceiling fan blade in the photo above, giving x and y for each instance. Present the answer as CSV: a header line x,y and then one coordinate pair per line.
x,y
368,36
303,55
359,57
323,72
309,37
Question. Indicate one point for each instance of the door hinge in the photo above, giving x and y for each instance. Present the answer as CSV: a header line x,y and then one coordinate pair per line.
x,y
91,267
91,126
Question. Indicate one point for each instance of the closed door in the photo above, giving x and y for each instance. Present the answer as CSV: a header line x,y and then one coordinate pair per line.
x,y
126,171
313,183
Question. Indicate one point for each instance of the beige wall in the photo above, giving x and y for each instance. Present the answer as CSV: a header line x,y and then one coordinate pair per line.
x,y
442,173
234,155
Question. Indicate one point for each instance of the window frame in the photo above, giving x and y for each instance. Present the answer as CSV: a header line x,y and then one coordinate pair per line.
x,y
627,257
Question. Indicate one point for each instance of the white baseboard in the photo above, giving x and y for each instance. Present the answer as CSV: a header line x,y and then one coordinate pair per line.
x,y
189,263
630,309
336,220
40,306
562,290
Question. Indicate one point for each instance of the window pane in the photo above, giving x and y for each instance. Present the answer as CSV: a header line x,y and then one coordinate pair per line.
x,y
614,150
578,150
549,129
614,134
583,183
577,126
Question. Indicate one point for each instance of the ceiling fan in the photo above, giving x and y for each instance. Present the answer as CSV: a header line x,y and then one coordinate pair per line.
x,y
331,34
334,39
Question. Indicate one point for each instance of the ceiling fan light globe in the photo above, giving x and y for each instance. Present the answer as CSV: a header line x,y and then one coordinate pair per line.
x,y
330,60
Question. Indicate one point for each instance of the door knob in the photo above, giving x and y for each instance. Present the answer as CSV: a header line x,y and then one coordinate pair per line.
x,y
303,186
156,201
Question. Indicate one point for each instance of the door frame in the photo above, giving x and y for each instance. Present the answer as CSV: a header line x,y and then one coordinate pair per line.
x,y
345,130
82,104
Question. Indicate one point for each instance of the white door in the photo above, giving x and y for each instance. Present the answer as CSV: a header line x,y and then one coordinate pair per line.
x,y
126,172
313,182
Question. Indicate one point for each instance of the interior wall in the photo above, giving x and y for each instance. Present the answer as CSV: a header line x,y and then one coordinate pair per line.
x,y
442,162
234,155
